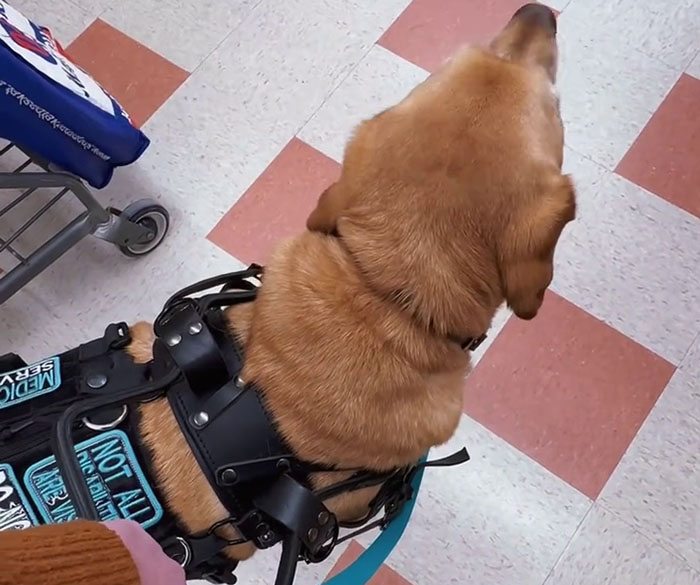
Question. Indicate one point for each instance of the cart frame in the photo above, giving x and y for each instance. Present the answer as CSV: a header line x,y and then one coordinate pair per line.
x,y
136,231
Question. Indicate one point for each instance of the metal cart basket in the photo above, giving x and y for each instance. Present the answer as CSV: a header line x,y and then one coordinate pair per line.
x,y
137,230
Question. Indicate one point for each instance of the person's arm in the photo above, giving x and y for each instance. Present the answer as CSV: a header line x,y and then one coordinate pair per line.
x,y
85,553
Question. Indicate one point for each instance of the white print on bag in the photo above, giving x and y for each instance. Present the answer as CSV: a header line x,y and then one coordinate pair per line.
x,y
36,46
49,118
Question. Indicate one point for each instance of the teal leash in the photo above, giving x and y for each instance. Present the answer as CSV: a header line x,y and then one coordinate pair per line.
x,y
368,563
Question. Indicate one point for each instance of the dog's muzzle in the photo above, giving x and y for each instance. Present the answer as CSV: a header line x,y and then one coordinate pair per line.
x,y
69,446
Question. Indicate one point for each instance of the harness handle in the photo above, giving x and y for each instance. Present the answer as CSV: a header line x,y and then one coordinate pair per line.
x,y
291,547
230,279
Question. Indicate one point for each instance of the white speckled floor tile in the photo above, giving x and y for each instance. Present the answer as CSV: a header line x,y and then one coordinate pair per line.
x,y
631,259
183,32
656,486
588,178
381,80
499,519
95,7
29,328
237,111
694,67
606,100
65,19
607,551
666,30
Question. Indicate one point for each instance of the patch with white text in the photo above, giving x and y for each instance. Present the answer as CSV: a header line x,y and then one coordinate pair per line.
x,y
117,484
29,382
15,511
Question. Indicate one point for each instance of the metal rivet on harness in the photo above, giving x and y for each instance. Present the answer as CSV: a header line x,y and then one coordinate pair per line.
x,y
173,340
312,534
195,328
200,419
323,518
239,382
96,381
229,476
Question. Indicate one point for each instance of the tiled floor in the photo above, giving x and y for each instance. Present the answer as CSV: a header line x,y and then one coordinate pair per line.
x,y
584,424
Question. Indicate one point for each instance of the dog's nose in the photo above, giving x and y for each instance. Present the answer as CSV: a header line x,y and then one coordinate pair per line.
x,y
538,15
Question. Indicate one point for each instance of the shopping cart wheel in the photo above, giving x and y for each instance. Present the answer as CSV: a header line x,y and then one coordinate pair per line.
x,y
148,214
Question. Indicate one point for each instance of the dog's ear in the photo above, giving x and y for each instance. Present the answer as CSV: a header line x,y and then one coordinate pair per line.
x,y
527,256
330,206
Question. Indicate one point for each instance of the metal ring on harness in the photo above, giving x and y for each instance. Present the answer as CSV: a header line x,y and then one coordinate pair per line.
x,y
188,552
107,426
67,458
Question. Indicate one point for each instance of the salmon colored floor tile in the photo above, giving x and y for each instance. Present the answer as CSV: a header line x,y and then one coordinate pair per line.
x,y
140,79
665,158
384,576
428,32
277,204
567,390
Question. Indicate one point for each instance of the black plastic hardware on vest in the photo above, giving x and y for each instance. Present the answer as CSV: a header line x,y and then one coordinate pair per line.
x,y
11,361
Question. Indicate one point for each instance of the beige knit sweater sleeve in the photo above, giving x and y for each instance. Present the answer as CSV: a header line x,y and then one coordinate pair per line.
x,y
74,553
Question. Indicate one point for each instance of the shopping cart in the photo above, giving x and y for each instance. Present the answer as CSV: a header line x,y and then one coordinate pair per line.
x,y
68,131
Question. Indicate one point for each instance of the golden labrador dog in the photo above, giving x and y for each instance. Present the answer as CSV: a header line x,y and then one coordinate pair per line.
x,y
448,204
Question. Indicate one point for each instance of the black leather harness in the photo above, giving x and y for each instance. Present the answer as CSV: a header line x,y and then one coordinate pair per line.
x,y
197,364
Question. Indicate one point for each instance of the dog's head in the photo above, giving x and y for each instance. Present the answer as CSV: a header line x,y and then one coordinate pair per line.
x,y
453,200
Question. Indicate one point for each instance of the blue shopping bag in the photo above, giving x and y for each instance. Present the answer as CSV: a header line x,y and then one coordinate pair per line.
x,y
53,108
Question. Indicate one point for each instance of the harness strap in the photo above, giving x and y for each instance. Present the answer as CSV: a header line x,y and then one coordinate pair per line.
x,y
264,487
369,562
398,501
192,347
301,512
